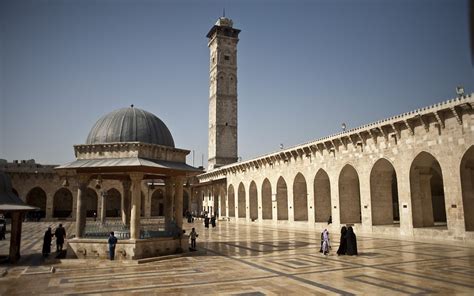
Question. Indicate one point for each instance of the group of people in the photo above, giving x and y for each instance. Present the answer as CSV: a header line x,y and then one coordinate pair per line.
x,y
212,220
59,233
347,245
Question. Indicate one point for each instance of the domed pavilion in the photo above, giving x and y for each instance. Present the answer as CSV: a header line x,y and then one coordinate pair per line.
x,y
130,145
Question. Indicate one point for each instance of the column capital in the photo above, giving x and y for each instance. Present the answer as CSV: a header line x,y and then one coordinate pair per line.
x,y
126,184
136,176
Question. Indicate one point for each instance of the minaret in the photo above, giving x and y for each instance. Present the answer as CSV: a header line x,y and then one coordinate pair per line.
x,y
222,145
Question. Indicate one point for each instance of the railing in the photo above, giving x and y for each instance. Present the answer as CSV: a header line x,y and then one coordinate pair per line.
x,y
149,228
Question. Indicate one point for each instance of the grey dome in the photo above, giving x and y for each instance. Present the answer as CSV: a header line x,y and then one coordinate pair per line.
x,y
130,125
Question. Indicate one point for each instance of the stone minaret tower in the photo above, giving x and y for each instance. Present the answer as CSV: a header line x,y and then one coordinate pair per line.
x,y
223,41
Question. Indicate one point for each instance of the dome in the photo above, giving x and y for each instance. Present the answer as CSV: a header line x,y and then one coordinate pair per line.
x,y
130,125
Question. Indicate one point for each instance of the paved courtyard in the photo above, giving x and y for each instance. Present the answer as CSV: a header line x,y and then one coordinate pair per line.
x,y
252,260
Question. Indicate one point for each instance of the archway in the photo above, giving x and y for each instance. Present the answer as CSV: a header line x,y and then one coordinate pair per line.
x,y
467,183
62,203
300,198
241,200
282,199
322,197
231,198
349,195
267,200
37,198
113,203
186,202
91,202
253,201
427,191
157,203
223,203
384,193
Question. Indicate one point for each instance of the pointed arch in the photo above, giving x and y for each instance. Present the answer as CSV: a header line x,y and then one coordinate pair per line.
x,y
113,203
253,201
157,203
282,199
427,191
62,203
349,195
91,202
241,200
37,197
231,200
322,196
300,198
384,193
467,185
267,200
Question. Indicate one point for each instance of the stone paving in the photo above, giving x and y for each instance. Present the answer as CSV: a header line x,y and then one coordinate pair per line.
x,y
238,259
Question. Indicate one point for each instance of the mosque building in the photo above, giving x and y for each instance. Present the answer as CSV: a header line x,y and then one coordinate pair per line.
x,y
408,175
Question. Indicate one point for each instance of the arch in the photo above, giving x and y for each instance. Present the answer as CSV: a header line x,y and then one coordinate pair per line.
x,y
37,197
223,203
113,203
185,201
62,203
282,199
349,195
253,201
231,199
467,185
267,200
300,198
91,202
427,191
322,196
157,203
241,200
384,193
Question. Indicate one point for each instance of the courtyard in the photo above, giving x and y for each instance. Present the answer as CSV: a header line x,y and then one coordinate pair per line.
x,y
249,259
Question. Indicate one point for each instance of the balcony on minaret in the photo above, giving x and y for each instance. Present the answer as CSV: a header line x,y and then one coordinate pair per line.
x,y
223,27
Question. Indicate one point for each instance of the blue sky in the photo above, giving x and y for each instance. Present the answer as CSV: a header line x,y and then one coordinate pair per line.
x,y
304,67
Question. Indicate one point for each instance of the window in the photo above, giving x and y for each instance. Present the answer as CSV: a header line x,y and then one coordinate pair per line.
x,y
226,57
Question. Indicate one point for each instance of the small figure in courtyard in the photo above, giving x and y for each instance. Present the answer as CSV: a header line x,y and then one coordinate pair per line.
x,y
48,236
112,241
59,233
343,243
213,221
351,242
95,216
206,222
3,231
330,220
326,245
193,235
189,217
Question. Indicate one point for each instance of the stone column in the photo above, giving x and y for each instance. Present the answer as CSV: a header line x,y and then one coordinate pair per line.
x,y
103,206
125,202
83,181
178,202
168,201
15,238
49,205
136,205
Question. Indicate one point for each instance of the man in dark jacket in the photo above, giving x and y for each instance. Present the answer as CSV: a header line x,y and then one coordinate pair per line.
x,y
59,233
112,243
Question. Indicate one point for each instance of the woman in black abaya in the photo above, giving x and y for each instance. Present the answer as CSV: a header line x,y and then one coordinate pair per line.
x,y
351,242
343,243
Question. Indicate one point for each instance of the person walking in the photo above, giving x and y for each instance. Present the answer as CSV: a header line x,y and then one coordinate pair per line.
x,y
351,241
326,244
343,242
59,233
193,235
213,221
112,241
48,236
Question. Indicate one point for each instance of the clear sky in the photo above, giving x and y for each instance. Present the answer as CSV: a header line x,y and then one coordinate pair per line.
x,y
304,67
